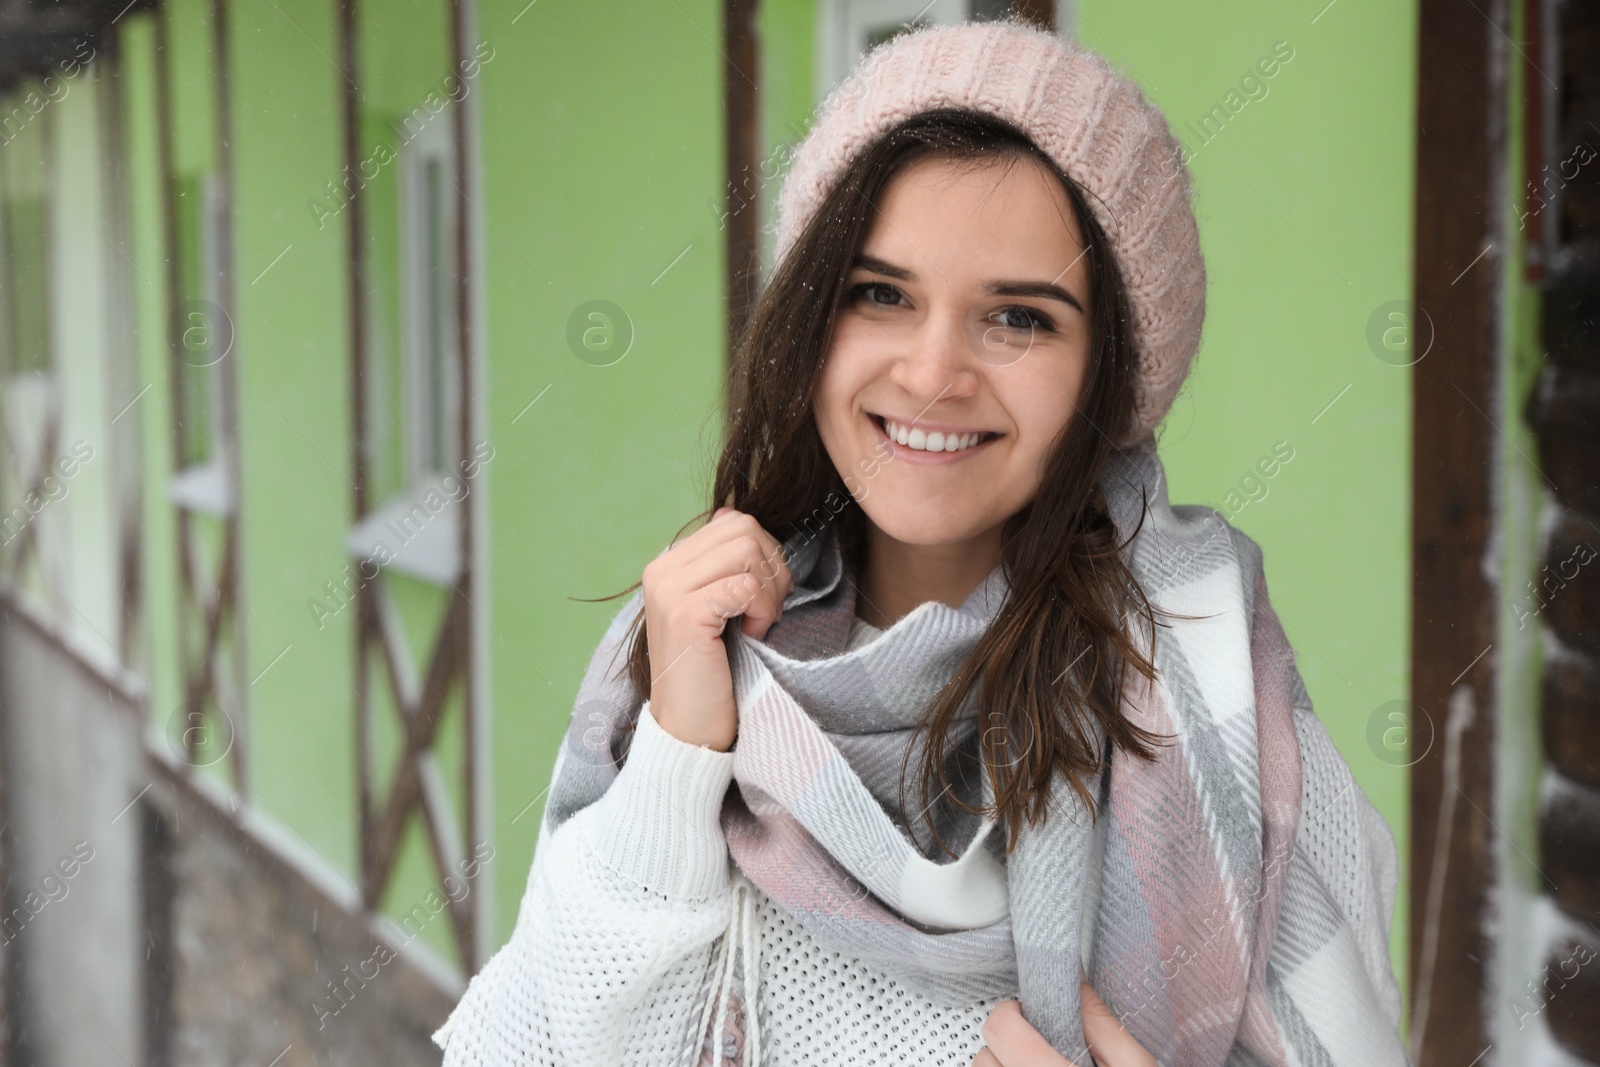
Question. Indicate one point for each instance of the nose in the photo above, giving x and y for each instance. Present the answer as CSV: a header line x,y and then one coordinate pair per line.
x,y
938,363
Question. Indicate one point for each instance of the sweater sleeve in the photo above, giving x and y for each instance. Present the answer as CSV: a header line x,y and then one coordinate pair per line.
x,y
622,905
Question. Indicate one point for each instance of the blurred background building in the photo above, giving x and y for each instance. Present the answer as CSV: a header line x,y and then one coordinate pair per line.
x,y
349,348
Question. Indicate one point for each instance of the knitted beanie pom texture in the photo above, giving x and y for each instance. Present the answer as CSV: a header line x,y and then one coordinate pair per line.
x,y
1092,121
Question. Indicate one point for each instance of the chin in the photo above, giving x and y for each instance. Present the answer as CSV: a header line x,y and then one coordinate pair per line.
x,y
922,526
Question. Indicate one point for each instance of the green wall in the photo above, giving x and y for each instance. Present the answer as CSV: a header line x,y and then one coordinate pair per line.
x,y
602,144
294,417
294,331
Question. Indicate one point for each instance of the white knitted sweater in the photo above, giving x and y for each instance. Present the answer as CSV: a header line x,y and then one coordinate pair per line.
x,y
620,974
601,972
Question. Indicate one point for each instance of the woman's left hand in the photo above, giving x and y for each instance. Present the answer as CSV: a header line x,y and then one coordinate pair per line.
x,y
1012,1042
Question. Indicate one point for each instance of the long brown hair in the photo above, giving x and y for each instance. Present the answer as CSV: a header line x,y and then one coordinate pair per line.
x,y
1053,663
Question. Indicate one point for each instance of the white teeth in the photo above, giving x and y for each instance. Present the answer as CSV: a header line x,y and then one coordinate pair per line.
x,y
930,442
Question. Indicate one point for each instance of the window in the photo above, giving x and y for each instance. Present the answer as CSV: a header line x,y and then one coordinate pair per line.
x,y
428,298
408,527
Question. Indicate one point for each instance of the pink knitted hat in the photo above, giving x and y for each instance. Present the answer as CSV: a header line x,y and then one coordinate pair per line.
x,y
1095,124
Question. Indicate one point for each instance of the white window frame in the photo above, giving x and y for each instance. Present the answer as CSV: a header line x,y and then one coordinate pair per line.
x,y
430,341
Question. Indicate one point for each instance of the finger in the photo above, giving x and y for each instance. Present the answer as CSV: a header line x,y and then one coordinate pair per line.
x,y
1015,1040
731,525
986,1058
764,608
1109,1041
727,583
741,554
745,597
775,562
728,568
774,567
732,547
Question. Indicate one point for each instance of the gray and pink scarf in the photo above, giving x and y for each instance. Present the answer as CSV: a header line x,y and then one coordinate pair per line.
x,y
1222,902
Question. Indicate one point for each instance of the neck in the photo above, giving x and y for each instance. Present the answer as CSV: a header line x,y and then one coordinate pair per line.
x,y
900,576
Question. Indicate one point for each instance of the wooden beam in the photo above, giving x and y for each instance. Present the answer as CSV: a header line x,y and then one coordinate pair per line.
x,y
472,934
356,317
1461,162
419,725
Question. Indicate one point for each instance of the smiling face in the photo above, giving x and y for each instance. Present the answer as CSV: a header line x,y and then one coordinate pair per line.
x,y
964,333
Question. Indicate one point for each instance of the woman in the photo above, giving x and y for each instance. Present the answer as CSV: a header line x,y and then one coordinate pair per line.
x,y
963,605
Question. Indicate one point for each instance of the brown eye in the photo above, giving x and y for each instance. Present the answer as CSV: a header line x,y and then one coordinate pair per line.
x,y
1024,318
867,289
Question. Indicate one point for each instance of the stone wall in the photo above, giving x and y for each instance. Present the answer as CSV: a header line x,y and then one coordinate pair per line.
x,y
253,949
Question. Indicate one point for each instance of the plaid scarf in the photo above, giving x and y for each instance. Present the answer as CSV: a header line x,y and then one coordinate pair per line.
x,y
1194,896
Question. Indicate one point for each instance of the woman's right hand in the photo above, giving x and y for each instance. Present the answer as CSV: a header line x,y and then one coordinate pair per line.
x,y
729,567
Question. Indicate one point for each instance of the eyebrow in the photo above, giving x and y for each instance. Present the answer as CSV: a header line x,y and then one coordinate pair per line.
x,y
1041,290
